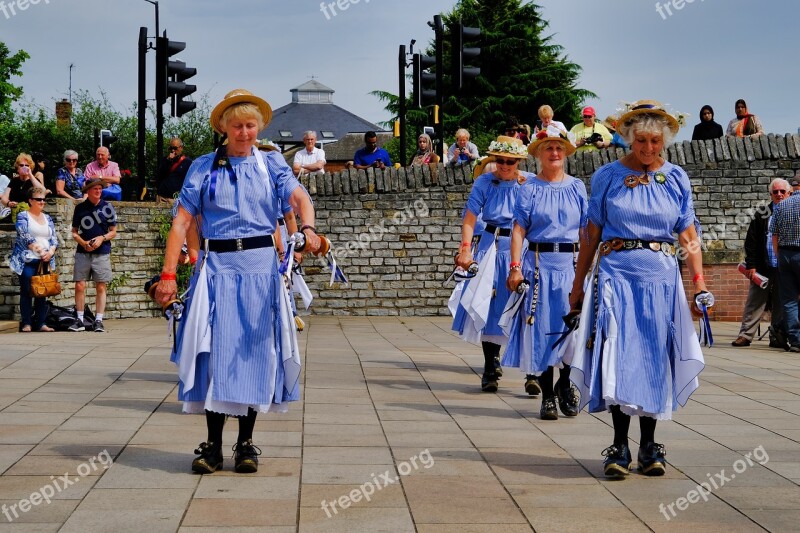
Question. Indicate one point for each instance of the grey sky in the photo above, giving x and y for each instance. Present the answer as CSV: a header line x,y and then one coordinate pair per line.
x,y
707,52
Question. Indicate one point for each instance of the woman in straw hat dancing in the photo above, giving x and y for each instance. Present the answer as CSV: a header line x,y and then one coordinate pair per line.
x,y
549,214
235,357
638,351
484,297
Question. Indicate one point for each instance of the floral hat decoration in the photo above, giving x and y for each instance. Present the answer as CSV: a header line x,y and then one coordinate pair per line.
x,y
508,147
675,120
567,139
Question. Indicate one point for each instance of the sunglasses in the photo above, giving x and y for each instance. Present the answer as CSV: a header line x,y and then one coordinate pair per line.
x,y
507,162
71,160
588,116
38,199
174,148
779,191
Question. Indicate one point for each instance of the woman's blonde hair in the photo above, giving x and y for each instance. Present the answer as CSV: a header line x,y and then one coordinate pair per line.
x,y
241,112
26,158
545,111
461,132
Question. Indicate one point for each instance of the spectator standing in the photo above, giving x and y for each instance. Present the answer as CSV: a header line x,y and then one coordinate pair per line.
x,y
371,155
707,129
36,243
310,159
425,154
745,124
69,179
108,170
590,135
759,257
94,224
172,171
785,229
462,152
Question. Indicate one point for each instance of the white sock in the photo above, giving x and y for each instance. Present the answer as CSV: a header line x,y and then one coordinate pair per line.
x,y
99,316
80,316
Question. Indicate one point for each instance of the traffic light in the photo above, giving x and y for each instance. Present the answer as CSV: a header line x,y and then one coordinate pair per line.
x,y
171,77
424,82
106,138
464,55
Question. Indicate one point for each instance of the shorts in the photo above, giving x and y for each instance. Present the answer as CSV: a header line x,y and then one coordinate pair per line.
x,y
92,267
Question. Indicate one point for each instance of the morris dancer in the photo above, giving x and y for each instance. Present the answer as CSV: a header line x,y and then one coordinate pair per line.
x,y
550,211
484,297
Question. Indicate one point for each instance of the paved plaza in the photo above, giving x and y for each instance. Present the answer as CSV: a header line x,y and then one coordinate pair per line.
x,y
393,434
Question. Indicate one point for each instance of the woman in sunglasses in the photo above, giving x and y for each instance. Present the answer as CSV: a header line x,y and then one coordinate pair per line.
x,y
36,243
70,177
483,299
549,213
639,354
16,194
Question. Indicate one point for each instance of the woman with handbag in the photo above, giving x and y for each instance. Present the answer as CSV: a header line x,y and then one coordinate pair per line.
x,y
35,247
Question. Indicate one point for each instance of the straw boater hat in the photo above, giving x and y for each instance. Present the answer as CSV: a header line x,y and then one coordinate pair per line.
x,y
649,107
610,122
92,182
266,145
239,96
548,135
507,147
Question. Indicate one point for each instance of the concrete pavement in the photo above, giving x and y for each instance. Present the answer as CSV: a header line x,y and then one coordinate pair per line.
x,y
393,434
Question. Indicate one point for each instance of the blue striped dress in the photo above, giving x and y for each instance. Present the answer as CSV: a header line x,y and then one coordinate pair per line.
x,y
548,212
646,356
243,365
494,199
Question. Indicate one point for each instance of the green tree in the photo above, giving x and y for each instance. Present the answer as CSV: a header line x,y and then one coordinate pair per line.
x,y
521,66
9,66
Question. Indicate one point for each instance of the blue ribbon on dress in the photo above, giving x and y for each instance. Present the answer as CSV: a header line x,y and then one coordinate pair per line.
x,y
220,160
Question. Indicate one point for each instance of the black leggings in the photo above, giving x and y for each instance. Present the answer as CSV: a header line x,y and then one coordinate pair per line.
x,y
216,421
546,381
491,351
622,422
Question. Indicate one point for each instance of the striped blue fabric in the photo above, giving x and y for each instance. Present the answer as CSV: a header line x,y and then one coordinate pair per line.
x,y
636,356
494,201
549,212
243,366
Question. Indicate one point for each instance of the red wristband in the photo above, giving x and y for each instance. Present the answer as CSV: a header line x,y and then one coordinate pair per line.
x,y
698,277
167,276
465,245
514,264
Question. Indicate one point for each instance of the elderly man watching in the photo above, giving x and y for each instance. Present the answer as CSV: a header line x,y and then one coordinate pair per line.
x,y
785,229
760,259
102,167
309,160
590,135
462,152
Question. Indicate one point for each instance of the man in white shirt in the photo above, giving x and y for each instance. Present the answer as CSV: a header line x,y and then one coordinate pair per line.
x,y
309,160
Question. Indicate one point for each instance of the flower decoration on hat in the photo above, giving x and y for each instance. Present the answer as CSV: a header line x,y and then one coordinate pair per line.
x,y
629,110
505,147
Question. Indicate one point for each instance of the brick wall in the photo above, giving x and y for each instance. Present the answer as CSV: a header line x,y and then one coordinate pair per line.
x,y
396,230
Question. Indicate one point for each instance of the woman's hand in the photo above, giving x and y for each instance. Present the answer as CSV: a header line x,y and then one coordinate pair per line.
x,y
464,258
514,279
313,242
576,298
167,290
47,256
12,204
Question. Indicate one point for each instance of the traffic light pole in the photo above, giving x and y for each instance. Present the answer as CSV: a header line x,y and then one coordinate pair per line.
x,y
439,36
159,120
401,113
141,108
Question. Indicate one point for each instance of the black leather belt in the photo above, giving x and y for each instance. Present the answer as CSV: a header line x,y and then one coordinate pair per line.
x,y
237,245
570,247
619,245
281,222
504,232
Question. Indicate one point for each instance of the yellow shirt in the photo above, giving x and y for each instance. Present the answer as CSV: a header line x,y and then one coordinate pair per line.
x,y
582,132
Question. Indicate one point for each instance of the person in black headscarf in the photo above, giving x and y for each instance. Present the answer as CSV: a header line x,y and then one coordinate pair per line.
x,y
707,129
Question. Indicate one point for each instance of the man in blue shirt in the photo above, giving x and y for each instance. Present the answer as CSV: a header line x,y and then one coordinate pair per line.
x,y
371,155
94,224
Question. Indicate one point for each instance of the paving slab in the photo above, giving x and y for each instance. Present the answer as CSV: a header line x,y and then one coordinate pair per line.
x,y
392,434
